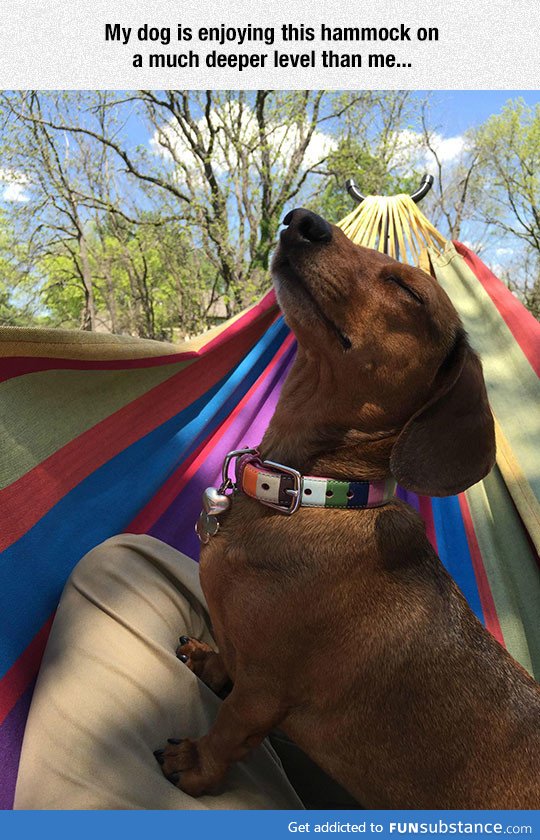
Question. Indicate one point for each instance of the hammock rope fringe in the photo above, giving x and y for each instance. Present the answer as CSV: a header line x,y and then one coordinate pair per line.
x,y
393,223
103,434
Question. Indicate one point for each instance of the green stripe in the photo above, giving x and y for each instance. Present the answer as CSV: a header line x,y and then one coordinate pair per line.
x,y
339,493
511,568
41,412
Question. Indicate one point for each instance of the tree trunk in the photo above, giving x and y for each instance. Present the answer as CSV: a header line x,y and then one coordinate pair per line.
x,y
89,313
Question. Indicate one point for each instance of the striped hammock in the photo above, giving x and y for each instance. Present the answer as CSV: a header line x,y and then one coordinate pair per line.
x,y
102,434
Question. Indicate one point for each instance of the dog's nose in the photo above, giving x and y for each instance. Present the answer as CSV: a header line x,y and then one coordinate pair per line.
x,y
307,226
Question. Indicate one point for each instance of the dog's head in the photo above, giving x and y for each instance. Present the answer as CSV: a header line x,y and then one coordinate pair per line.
x,y
394,352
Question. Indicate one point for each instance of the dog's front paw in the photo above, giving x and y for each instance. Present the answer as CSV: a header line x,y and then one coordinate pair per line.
x,y
184,765
203,661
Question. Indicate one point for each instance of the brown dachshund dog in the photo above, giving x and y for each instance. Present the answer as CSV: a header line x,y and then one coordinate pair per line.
x,y
341,626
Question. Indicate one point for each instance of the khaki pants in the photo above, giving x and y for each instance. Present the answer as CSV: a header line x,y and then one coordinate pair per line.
x,y
111,690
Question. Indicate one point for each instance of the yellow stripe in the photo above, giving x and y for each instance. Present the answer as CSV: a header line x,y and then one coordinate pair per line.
x,y
510,567
522,493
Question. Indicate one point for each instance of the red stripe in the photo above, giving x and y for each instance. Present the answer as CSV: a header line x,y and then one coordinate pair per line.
x,y
170,490
25,501
484,590
15,682
524,327
12,366
426,512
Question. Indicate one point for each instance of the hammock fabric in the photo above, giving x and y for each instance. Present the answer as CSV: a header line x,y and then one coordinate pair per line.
x,y
103,434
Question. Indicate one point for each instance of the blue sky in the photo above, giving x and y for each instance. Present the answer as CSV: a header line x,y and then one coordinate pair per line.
x,y
454,111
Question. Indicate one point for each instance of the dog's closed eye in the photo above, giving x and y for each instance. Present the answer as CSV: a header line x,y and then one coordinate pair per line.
x,y
412,293
346,342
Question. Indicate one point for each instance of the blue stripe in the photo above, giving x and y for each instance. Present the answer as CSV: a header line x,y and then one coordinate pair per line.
x,y
34,569
453,549
360,489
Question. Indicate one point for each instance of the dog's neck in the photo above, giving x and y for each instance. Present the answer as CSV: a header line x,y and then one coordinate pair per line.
x,y
300,436
368,460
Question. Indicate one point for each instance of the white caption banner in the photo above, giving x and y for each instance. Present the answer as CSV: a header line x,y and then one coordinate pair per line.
x,y
480,44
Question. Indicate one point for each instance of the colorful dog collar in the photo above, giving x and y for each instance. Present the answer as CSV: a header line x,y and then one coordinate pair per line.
x,y
284,489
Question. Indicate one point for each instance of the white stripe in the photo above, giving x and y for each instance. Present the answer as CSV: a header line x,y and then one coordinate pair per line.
x,y
271,482
318,491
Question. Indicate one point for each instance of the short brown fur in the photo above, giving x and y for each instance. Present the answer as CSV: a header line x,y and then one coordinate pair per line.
x,y
342,626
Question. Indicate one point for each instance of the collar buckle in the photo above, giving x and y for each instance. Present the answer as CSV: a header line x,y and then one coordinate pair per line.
x,y
295,492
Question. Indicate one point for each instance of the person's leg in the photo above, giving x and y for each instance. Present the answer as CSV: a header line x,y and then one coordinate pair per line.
x,y
111,691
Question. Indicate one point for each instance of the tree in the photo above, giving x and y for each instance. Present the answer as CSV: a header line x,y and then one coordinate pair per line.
x,y
351,158
509,149
458,181
231,161
112,227
15,300
522,276
85,227
54,217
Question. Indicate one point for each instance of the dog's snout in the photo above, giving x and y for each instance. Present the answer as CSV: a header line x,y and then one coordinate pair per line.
x,y
307,226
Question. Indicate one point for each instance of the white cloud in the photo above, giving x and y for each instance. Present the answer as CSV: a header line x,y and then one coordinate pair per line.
x,y
410,148
504,252
283,139
448,148
14,185
14,192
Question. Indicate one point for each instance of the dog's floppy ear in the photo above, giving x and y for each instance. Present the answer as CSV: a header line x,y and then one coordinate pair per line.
x,y
449,443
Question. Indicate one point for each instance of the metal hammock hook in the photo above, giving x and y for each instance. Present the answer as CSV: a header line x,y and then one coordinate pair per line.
x,y
425,185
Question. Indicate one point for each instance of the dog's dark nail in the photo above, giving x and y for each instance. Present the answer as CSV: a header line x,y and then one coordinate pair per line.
x,y
158,752
183,640
183,657
160,760
174,741
174,777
